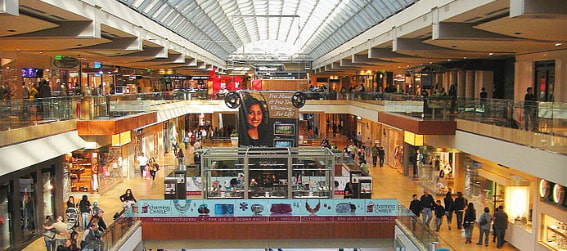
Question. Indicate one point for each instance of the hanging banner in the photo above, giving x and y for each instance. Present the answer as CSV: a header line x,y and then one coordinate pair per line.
x,y
267,119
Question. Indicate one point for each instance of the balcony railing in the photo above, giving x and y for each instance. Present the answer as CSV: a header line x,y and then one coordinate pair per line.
x,y
549,117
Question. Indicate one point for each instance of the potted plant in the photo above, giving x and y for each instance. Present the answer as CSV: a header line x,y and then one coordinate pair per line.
x,y
234,138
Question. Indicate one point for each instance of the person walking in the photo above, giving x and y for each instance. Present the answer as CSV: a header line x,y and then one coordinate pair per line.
x,y
484,223
415,207
439,213
49,234
381,155
427,204
180,157
61,232
500,226
459,207
143,162
374,153
468,224
449,208
85,209
154,167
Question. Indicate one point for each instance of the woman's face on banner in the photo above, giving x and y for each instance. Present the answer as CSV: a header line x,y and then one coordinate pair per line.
x,y
254,118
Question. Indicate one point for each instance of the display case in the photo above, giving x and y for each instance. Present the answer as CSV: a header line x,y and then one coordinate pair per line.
x,y
267,173
312,174
554,233
223,174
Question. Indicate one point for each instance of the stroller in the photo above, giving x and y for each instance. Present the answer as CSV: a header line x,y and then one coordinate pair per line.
x,y
72,218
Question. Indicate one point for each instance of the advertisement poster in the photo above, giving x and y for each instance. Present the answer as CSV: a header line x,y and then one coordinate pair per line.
x,y
267,119
230,210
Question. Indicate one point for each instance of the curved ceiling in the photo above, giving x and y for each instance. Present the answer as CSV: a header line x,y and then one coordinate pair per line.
x,y
225,27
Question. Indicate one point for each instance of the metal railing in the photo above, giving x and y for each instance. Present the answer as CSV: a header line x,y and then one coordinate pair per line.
x,y
114,233
548,117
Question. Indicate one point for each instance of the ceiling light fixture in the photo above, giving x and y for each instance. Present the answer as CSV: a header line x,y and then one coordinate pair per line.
x,y
491,54
558,44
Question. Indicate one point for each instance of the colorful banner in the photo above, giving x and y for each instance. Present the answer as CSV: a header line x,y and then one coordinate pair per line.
x,y
230,210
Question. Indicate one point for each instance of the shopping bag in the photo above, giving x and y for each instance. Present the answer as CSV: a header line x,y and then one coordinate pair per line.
x,y
463,233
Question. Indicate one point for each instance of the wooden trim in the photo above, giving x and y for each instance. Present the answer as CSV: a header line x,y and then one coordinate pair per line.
x,y
418,126
115,126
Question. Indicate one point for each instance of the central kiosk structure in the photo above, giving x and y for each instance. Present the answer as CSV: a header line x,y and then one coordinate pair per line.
x,y
267,173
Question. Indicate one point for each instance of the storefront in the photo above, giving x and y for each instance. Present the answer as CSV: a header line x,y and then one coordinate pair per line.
x,y
393,143
26,198
437,168
552,216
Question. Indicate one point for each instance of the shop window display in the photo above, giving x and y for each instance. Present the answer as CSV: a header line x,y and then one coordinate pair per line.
x,y
27,209
5,217
554,233
269,173
435,170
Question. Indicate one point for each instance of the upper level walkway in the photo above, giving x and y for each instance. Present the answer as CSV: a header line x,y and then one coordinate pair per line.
x,y
495,118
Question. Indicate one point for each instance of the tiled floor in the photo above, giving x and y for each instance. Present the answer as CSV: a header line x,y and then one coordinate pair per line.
x,y
387,183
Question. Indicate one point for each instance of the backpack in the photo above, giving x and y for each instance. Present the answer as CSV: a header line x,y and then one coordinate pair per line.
x,y
483,220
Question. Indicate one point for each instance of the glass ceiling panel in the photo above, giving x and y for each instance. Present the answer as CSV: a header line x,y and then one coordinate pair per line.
x,y
313,27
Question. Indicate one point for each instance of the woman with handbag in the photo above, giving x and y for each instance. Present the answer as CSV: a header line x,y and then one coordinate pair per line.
x,y
468,224
49,234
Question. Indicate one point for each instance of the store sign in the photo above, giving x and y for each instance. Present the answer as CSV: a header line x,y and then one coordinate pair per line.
x,y
66,62
231,210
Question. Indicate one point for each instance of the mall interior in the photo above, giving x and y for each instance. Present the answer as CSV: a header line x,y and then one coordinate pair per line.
x,y
279,104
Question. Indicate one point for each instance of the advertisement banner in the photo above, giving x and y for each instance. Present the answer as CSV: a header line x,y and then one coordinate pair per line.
x,y
267,119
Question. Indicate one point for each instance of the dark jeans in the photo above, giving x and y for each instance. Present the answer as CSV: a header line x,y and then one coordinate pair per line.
x,y
500,237
459,214
449,215
142,171
381,161
374,160
486,233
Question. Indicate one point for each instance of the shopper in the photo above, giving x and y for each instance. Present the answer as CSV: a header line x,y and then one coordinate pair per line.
x,y
381,155
143,162
85,209
449,208
49,234
349,191
439,213
459,207
500,226
154,167
484,223
180,157
127,198
415,207
98,219
71,202
66,246
468,224
427,203
374,153
61,232
530,110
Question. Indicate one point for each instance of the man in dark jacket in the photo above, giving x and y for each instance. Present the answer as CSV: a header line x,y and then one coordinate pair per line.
x,y
439,213
459,207
500,226
427,204
415,207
